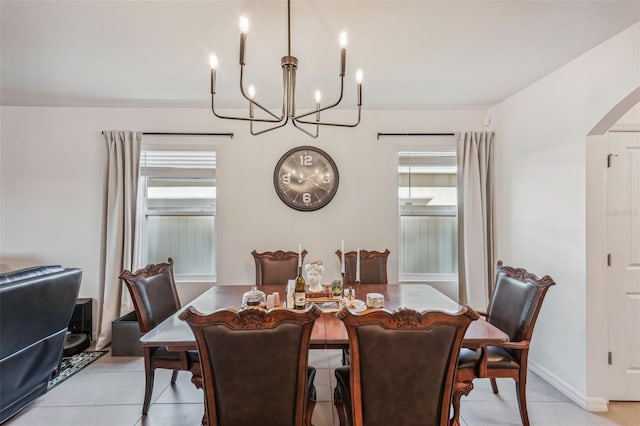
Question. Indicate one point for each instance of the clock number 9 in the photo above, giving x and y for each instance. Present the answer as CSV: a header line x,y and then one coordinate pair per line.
x,y
306,198
305,160
286,179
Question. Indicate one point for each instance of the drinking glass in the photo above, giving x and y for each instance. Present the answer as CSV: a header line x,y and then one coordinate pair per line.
x,y
336,287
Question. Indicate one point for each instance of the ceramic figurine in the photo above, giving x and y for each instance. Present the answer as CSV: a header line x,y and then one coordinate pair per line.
x,y
314,272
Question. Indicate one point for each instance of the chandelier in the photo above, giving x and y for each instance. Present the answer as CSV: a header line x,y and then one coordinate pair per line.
x,y
289,67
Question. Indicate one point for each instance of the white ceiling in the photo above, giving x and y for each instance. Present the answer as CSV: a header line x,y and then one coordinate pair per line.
x,y
415,54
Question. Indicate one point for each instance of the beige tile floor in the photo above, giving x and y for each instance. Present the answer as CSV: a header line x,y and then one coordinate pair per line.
x,y
109,393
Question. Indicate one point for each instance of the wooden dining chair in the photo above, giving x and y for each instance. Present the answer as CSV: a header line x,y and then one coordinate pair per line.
x,y
373,270
373,266
276,267
255,365
514,308
410,384
154,295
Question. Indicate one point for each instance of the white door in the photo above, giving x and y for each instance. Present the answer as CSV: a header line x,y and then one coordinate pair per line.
x,y
623,276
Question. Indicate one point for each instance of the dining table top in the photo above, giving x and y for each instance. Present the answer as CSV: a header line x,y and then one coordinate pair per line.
x,y
328,331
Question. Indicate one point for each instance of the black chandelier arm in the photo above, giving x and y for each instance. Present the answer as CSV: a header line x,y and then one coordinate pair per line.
x,y
256,103
227,117
284,123
322,123
335,104
295,123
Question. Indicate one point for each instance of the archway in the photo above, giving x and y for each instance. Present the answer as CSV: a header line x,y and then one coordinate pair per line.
x,y
596,251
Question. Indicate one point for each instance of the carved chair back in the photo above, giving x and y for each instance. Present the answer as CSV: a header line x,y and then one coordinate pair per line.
x,y
373,266
516,301
249,354
276,267
154,294
413,383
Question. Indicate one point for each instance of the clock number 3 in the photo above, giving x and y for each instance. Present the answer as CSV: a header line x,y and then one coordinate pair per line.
x,y
305,160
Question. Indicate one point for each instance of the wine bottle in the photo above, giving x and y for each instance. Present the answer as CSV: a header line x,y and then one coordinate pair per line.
x,y
299,296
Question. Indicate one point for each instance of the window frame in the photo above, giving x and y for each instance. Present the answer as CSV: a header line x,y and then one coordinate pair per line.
x,y
437,147
143,211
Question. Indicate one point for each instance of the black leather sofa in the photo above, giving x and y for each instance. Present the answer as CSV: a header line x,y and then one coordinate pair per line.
x,y
36,305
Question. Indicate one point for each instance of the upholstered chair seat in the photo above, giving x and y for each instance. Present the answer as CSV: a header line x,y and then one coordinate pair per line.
x,y
161,353
255,365
497,357
410,384
514,308
154,295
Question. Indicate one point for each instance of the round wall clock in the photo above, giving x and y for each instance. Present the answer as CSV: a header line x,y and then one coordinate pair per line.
x,y
306,178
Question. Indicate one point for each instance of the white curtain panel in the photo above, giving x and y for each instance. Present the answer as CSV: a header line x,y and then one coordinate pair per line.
x,y
476,238
122,190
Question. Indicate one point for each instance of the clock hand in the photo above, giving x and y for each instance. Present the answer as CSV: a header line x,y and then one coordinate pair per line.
x,y
306,178
319,186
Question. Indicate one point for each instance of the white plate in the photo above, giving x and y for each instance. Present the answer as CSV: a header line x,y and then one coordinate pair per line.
x,y
358,306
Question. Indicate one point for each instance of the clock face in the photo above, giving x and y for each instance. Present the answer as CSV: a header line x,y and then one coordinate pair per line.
x,y
306,178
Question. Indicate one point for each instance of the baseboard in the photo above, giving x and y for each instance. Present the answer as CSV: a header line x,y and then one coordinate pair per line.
x,y
597,404
584,402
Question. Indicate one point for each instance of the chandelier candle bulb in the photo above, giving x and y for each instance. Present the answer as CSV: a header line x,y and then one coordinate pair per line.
x,y
343,52
359,77
318,97
343,39
244,29
213,61
243,23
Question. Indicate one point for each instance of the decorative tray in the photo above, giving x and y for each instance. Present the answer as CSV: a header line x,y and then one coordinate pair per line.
x,y
322,297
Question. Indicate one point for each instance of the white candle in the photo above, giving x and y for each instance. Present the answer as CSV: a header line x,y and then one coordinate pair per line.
x,y
358,265
299,255
342,254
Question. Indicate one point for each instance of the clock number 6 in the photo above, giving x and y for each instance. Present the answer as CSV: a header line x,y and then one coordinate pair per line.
x,y
306,198
305,160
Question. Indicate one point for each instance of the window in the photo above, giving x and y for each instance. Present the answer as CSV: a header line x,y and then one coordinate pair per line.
x,y
427,200
178,205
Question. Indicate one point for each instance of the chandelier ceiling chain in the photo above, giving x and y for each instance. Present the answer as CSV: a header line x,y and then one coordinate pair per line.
x,y
289,65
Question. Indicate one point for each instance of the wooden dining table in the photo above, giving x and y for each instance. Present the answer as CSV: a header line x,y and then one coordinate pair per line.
x,y
328,331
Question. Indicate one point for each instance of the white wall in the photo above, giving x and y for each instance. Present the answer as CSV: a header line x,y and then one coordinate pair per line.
x,y
541,189
52,177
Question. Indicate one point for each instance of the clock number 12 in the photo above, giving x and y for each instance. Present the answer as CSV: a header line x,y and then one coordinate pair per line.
x,y
305,160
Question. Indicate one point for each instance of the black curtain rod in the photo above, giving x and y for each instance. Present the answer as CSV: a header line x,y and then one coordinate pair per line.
x,y
415,134
230,135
